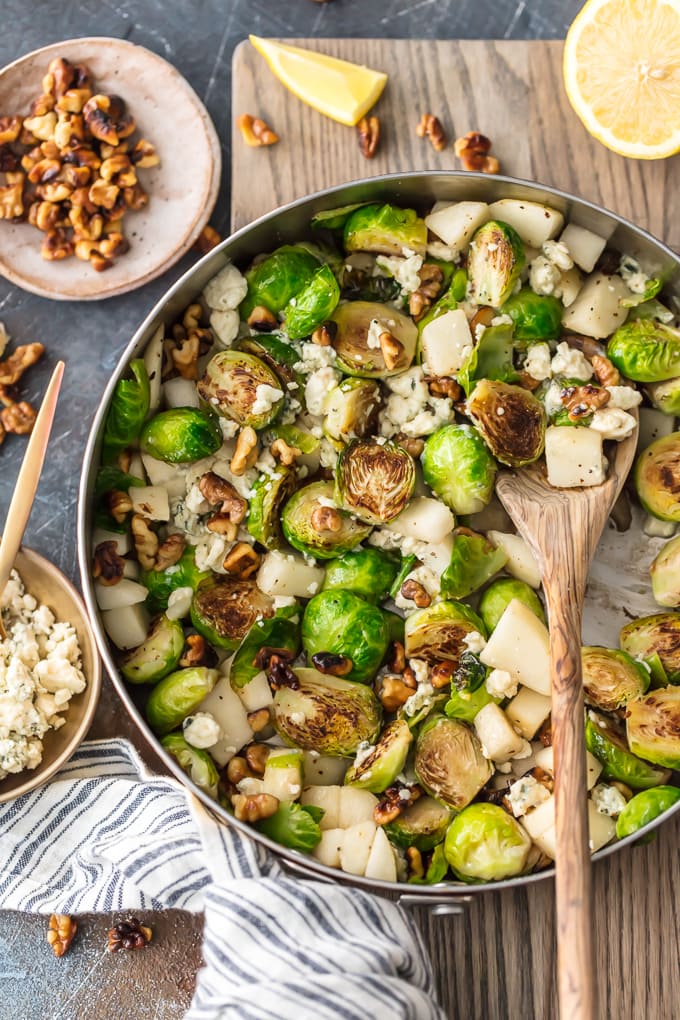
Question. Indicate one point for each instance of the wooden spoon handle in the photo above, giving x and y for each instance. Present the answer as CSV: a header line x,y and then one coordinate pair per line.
x,y
27,480
575,961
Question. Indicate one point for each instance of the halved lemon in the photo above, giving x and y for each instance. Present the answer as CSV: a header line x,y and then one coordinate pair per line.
x,y
622,74
337,88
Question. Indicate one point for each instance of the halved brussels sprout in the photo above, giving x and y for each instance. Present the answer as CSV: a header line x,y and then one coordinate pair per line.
x,y
162,583
653,727
611,678
395,626
241,387
327,714
657,478
313,304
645,350
385,229
197,764
353,344
473,561
341,623
282,631
374,481
535,316
665,396
657,635
380,765
278,278
181,435
267,497
449,761
423,825
178,695
511,420
500,593
438,633
495,261
352,409
368,572
277,354
224,611
610,748
486,844
334,219
157,655
665,572
644,807
458,468
492,357
294,825
300,531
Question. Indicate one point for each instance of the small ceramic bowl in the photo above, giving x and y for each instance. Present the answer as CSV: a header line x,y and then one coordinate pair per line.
x,y
49,586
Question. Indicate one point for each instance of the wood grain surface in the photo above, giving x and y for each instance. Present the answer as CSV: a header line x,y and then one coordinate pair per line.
x,y
496,961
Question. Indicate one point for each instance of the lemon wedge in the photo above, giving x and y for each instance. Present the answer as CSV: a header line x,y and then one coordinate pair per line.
x,y
622,74
337,88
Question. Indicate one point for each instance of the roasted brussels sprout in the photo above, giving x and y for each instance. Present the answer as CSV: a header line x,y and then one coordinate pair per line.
x,y
374,481
611,678
655,636
385,229
665,395
278,278
158,654
334,219
492,357
341,623
313,304
657,478
293,825
352,409
500,593
495,261
197,764
465,704
280,631
644,807
162,583
653,727
327,714
423,825
473,561
449,300
458,468
268,495
511,420
368,572
438,633
241,387
665,572
449,762
302,531
645,350
293,436
535,316
181,435
178,695
128,410
395,625
224,611
376,768
485,844
359,354
279,355
610,748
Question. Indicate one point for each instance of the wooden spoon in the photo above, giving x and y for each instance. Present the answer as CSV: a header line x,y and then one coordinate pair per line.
x,y
27,482
563,527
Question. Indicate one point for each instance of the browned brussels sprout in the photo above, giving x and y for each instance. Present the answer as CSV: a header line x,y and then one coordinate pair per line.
x,y
511,420
374,481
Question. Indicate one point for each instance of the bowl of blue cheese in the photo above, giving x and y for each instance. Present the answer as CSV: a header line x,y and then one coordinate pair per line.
x,y
50,674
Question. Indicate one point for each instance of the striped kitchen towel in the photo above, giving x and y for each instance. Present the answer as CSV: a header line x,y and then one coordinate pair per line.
x,y
107,835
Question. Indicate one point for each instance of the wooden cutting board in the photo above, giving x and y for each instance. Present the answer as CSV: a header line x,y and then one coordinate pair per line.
x,y
496,962
510,91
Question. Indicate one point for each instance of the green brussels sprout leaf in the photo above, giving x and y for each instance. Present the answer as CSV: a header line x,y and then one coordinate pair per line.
x,y
422,824
458,468
449,761
611,678
645,350
313,304
437,634
644,807
374,481
386,229
610,748
356,357
473,561
181,435
110,479
653,727
408,563
241,387
500,593
490,358
652,288
656,641
465,704
511,420
162,583
665,396
178,695
495,261
127,412
157,655
197,764
377,768
657,478
278,278
334,219
296,522
535,316
282,630
224,611
295,826
268,496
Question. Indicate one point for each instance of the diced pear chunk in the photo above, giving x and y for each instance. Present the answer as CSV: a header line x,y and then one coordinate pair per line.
x,y
324,770
653,425
425,519
499,740
180,392
123,540
328,798
227,709
356,806
283,773
520,644
540,818
446,342
150,501
597,310
584,246
356,847
455,224
535,223
527,711
521,562
256,694
382,862
570,286
574,457
601,828
329,848
544,760
288,574
127,626
117,596
153,362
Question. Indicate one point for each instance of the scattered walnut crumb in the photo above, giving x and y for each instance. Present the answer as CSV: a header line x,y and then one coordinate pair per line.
x,y
368,131
431,127
255,131
61,932
207,240
473,152
130,934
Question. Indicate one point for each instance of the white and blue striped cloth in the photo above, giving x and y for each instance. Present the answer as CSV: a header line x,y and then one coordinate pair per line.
x,y
106,835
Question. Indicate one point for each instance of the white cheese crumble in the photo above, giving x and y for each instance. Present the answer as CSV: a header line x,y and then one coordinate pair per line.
x,y
552,399
410,408
525,794
405,271
364,751
501,320
632,275
421,698
312,357
538,362
623,397
40,662
558,253
544,276
501,684
265,398
608,800
227,290
571,363
201,730
318,388
613,423
373,335
474,642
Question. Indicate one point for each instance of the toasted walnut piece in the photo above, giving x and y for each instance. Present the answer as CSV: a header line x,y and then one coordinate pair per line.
x,y
265,654
431,279
394,801
42,127
245,453
222,524
60,76
69,132
473,152
255,131
368,133
442,674
219,492
18,418
542,777
395,692
102,193
21,358
192,316
42,105
54,191
73,100
185,357
581,401
409,443
8,395
482,317
256,757
414,858
11,197
431,127
10,129
443,386
105,116
83,248
82,156
86,227
254,807
283,452
145,541
130,934
112,245
325,334
170,552
332,664
262,319
144,154
108,565
605,372
56,246
197,652
397,659
238,769
242,561
414,592
44,215
259,719
280,674
75,177
326,518
391,349
207,240
527,382
119,504
61,933
114,165
135,198
99,262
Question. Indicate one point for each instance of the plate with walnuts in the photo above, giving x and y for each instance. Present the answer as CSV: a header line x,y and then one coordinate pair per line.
x,y
109,168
